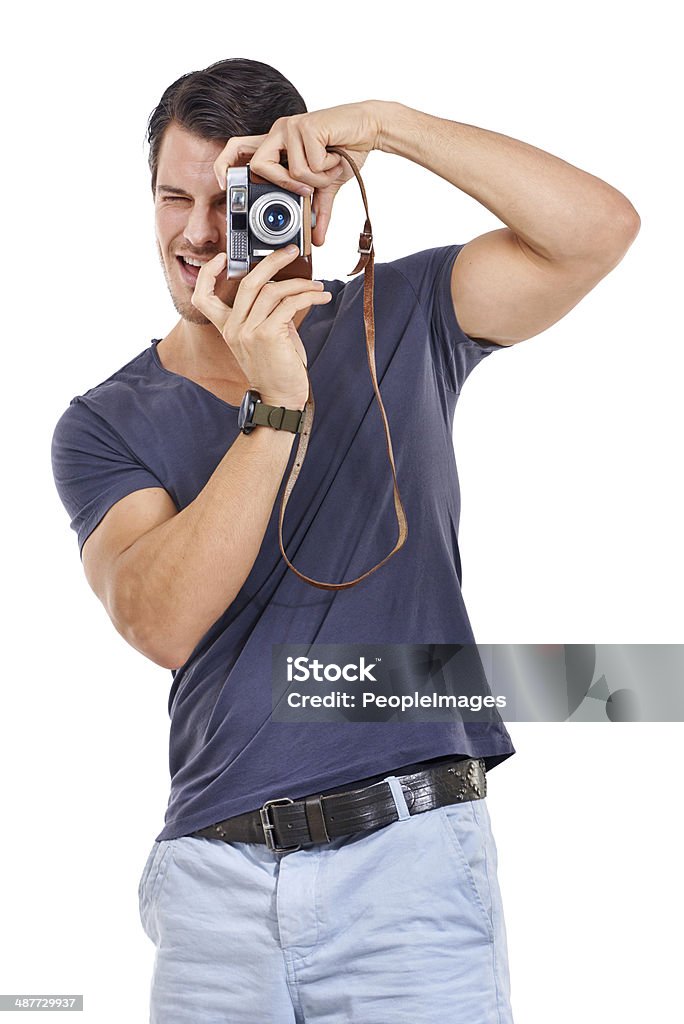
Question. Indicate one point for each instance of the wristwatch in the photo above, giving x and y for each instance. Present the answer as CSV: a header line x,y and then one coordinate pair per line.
x,y
255,413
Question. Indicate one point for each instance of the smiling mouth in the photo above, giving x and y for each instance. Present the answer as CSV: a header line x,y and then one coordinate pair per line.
x,y
191,267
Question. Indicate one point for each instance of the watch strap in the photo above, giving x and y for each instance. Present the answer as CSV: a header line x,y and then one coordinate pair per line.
x,y
278,417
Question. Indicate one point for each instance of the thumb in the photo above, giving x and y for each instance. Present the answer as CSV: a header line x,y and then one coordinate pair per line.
x,y
203,297
323,207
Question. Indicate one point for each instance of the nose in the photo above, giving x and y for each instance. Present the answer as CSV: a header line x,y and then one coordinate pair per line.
x,y
203,226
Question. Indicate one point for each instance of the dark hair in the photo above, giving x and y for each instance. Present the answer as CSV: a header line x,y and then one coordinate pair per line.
x,y
231,97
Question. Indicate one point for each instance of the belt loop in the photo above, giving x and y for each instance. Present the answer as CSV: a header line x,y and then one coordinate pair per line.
x,y
398,794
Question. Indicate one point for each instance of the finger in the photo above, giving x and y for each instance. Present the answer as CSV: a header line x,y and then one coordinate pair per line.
x,y
274,292
237,147
285,310
266,163
203,297
252,283
297,342
297,164
266,160
317,155
324,205
300,168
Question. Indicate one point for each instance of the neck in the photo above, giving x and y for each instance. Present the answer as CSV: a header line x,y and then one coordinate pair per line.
x,y
203,352
199,350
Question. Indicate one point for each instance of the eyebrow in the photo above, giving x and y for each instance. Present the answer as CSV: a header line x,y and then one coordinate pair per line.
x,y
181,191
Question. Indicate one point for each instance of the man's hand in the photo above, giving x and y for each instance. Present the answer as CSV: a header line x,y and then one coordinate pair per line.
x,y
354,127
259,328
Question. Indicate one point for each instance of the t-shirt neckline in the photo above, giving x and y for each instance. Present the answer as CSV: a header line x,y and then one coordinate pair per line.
x,y
179,376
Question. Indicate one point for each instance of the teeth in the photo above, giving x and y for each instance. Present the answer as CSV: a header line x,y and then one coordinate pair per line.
x,y
193,263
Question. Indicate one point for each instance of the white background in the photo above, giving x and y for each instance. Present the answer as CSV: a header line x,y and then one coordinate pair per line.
x,y
568,448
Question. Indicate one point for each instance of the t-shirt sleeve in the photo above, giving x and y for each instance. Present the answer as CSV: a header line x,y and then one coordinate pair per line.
x,y
455,353
93,468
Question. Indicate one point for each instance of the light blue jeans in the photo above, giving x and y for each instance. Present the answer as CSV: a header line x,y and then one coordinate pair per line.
x,y
401,924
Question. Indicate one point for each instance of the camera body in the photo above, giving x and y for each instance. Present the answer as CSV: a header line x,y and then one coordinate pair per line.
x,y
262,217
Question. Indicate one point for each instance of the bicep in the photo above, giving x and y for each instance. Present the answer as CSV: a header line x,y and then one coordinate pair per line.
x,y
504,292
123,524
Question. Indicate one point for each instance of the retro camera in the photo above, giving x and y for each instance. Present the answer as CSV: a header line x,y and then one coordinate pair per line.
x,y
263,217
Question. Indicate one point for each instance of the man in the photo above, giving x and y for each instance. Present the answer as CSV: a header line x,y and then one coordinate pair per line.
x,y
373,897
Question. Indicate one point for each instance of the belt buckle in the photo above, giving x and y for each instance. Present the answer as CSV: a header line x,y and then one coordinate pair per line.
x,y
269,827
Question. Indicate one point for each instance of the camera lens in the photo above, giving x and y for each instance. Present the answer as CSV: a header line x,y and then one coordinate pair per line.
x,y
277,217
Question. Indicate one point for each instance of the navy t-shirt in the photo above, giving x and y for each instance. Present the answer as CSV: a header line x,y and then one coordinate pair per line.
x,y
145,426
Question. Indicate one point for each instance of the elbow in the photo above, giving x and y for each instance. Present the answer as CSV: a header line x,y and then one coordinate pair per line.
x,y
621,227
162,654
611,240
150,640
142,625
627,223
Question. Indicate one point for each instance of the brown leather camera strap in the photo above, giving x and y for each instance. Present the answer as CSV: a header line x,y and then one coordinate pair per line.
x,y
365,263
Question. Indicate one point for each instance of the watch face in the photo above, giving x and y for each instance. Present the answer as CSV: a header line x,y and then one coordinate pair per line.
x,y
247,411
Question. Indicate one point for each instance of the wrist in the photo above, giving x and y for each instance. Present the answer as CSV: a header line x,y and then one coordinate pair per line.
x,y
288,401
277,411
269,436
391,122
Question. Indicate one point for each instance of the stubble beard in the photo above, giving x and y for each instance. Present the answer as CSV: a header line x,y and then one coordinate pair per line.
x,y
186,310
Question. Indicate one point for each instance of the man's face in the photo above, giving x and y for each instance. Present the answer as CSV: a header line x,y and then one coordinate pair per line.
x,y
190,217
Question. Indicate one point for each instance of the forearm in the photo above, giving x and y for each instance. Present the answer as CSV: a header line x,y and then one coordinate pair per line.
x,y
174,582
558,210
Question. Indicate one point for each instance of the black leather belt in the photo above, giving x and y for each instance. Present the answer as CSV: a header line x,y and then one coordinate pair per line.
x,y
286,825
